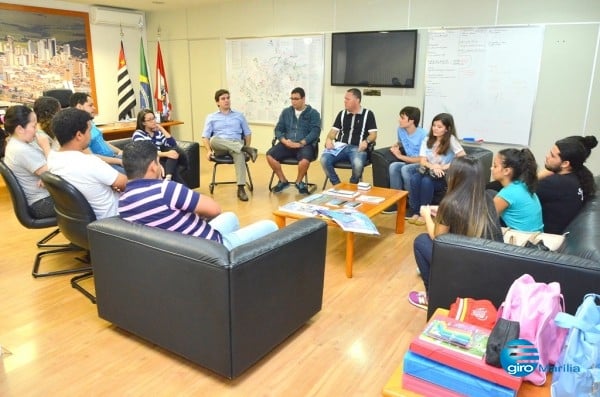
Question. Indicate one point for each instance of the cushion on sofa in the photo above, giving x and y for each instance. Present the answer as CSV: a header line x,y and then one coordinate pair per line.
x,y
584,231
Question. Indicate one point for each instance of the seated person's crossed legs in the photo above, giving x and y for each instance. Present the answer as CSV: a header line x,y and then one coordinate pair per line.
x,y
228,224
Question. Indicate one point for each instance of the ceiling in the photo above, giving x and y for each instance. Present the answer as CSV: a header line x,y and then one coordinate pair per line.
x,y
148,5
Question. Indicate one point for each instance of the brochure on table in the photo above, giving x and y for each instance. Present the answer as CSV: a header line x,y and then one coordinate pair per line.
x,y
348,218
351,221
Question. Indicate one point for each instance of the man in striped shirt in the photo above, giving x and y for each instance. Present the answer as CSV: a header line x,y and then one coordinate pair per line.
x,y
169,205
353,130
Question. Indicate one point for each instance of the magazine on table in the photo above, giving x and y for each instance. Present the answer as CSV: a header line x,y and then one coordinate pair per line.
x,y
317,198
300,208
370,199
342,193
351,221
337,148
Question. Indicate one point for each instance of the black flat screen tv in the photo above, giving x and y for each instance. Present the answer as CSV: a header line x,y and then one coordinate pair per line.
x,y
374,59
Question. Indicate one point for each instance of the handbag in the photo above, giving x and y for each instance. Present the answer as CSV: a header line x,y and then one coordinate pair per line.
x,y
428,171
578,366
503,332
537,240
535,305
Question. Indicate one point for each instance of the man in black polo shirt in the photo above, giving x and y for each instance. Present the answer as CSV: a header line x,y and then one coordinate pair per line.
x,y
354,128
566,183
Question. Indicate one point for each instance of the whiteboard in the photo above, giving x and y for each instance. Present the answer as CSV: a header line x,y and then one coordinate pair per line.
x,y
486,78
261,73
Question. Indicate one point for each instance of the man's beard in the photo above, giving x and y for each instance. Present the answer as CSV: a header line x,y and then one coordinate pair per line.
x,y
556,169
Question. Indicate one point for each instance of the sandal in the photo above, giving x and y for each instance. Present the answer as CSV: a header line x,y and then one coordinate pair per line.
x,y
418,299
419,222
413,219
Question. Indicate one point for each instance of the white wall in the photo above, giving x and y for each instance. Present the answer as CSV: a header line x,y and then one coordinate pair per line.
x,y
193,46
568,99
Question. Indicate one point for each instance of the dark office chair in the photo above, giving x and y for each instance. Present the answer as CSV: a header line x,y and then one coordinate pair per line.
x,y
62,94
29,221
227,159
73,214
293,161
346,165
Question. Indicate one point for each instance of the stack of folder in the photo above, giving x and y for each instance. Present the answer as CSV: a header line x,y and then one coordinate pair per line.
x,y
447,360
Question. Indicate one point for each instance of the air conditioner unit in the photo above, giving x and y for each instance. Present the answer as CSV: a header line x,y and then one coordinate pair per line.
x,y
116,17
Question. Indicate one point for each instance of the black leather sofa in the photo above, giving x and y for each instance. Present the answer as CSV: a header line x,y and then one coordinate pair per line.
x,y
221,309
382,158
483,269
191,173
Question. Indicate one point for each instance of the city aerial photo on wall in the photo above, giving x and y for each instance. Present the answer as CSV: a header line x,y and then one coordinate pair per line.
x,y
40,49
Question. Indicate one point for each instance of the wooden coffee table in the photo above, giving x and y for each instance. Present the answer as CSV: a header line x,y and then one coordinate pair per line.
x,y
391,197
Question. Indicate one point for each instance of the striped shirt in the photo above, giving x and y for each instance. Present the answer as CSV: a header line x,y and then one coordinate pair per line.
x,y
158,139
167,205
353,128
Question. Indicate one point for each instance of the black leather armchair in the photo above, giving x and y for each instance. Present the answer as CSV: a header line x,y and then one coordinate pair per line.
x,y
62,94
191,173
221,309
73,214
26,219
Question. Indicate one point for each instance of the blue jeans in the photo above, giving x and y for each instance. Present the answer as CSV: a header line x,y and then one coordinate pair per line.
x,y
422,190
228,225
400,173
423,249
349,153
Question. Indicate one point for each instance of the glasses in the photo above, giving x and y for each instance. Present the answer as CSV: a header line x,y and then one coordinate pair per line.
x,y
295,98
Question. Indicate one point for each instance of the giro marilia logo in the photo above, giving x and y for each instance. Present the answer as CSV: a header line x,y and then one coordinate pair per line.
x,y
520,357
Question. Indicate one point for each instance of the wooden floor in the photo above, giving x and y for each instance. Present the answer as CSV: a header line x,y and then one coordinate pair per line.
x,y
59,346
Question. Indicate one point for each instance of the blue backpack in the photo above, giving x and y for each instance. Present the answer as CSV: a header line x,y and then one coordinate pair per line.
x,y
577,371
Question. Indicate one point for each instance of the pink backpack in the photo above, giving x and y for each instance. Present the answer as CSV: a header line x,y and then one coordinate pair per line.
x,y
534,306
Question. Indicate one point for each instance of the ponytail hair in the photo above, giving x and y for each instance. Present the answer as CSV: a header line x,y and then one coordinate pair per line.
x,y
576,150
523,164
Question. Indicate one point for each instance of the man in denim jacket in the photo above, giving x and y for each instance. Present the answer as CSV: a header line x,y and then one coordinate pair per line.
x,y
299,126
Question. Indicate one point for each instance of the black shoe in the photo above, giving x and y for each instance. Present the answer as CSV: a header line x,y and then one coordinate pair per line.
x,y
302,188
280,186
242,193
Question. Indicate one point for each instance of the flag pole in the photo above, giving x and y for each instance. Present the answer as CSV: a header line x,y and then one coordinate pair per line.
x,y
161,88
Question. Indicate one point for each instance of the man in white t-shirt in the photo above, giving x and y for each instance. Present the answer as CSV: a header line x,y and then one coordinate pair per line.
x,y
95,179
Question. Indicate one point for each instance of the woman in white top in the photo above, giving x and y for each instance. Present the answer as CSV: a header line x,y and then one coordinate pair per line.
x,y
25,158
437,152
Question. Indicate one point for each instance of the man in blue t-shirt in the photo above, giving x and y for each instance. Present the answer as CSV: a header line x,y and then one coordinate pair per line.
x,y
406,150
98,146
